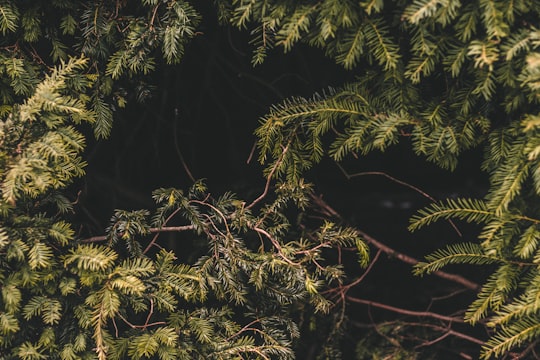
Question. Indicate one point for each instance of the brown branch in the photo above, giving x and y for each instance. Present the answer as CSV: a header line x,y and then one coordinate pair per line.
x,y
380,173
152,231
154,16
223,217
145,326
451,332
150,313
245,328
427,325
342,290
361,278
251,153
405,311
179,152
394,253
400,182
412,261
524,353
448,296
276,245
154,239
269,178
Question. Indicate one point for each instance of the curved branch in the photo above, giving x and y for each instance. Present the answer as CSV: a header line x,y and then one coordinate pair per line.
x,y
388,250
412,261
269,178
405,311
152,231
400,182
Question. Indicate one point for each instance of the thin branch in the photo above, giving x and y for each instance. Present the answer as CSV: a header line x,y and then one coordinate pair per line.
x,y
394,253
269,178
179,153
344,288
361,278
451,332
154,239
211,222
154,16
434,341
524,353
248,326
412,261
400,182
381,173
405,311
145,326
152,231
149,313
448,296
276,245
223,217
424,325
251,153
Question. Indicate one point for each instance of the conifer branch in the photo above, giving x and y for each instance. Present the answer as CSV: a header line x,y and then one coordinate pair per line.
x,y
394,253
269,178
401,182
101,238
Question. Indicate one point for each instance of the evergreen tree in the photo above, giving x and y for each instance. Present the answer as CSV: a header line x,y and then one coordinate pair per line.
x,y
446,75
449,76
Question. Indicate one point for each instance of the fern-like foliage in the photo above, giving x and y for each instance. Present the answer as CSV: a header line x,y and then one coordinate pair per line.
x,y
463,253
470,210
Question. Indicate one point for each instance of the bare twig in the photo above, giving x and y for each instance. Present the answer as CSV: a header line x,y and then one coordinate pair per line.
x,y
152,231
318,200
179,153
223,217
342,290
400,182
269,178
451,332
154,16
435,327
276,245
406,311
412,261
251,153
524,353
245,328
448,296
145,326
154,239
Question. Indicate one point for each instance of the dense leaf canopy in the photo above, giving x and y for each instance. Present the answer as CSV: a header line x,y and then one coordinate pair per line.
x,y
267,274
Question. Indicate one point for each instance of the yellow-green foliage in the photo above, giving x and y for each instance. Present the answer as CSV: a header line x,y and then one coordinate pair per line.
x,y
63,297
445,76
116,296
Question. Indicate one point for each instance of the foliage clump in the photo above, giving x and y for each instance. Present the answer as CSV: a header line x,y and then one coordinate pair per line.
x,y
65,297
446,76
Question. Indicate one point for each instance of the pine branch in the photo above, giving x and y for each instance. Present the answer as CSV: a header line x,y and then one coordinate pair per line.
x,y
152,231
396,254
511,337
471,210
462,253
